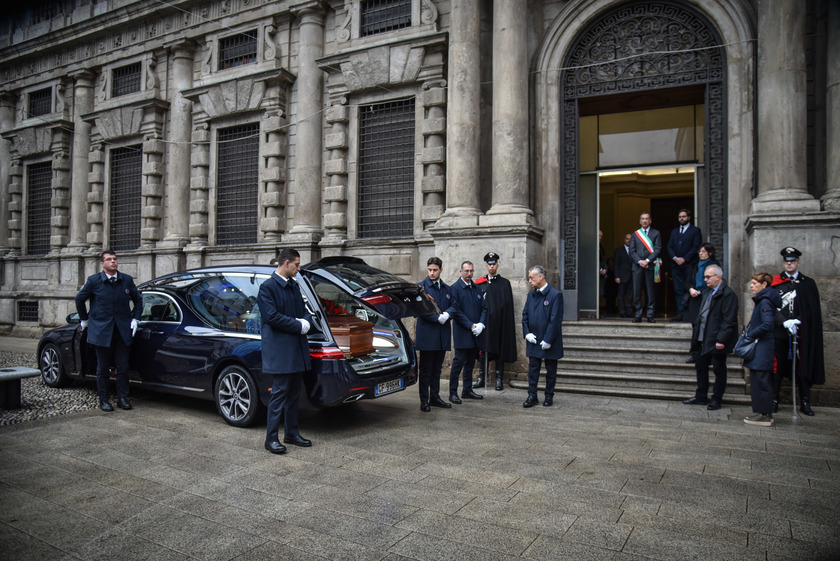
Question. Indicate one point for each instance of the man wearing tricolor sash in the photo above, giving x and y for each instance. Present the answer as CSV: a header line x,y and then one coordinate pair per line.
x,y
645,247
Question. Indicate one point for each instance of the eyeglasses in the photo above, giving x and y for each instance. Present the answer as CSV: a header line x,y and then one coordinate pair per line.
x,y
710,276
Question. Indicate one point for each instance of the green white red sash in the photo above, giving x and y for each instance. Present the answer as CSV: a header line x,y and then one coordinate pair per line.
x,y
657,263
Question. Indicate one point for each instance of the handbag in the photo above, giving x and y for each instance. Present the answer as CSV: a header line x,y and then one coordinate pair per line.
x,y
745,347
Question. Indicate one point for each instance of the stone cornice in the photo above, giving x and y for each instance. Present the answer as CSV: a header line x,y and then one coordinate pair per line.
x,y
805,220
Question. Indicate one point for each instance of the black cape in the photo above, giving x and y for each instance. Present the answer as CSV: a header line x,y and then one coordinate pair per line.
x,y
500,338
806,308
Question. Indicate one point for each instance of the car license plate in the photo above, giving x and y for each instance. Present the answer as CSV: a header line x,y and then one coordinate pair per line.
x,y
389,387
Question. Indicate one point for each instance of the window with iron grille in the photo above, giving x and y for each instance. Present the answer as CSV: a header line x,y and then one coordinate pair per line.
x,y
40,102
27,311
125,200
237,50
237,183
125,80
381,16
386,169
38,199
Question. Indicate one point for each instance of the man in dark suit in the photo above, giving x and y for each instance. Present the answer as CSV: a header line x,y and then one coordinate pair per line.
x,y
285,349
683,244
466,331
542,319
433,336
623,267
645,247
715,333
110,325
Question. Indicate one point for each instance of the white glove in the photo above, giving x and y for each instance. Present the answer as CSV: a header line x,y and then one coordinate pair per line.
x,y
531,338
304,326
477,329
545,346
443,318
134,325
791,324
83,324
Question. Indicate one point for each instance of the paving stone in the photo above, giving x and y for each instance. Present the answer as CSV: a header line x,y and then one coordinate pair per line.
x,y
362,531
668,545
430,548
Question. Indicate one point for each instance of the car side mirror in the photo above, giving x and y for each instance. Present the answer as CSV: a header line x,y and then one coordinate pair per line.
x,y
73,318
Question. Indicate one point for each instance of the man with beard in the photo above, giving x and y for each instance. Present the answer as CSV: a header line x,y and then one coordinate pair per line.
x,y
497,316
800,316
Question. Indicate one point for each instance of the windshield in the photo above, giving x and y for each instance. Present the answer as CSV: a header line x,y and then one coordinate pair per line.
x,y
360,276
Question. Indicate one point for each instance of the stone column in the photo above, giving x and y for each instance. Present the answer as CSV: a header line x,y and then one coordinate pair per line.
x,y
831,199
463,128
82,104
308,154
510,109
782,109
178,169
7,121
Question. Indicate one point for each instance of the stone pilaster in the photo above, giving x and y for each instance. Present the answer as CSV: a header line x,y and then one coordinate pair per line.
x,y
200,185
335,194
273,176
177,211
15,207
308,154
61,184
82,104
463,128
782,110
152,190
831,199
510,114
96,197
7,120
434,152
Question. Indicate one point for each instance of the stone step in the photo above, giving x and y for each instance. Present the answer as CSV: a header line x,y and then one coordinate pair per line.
x,y
676,395
647,381
609,342
608,362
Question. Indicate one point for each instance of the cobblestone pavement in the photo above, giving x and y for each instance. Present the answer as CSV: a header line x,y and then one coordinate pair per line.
x,y
590,478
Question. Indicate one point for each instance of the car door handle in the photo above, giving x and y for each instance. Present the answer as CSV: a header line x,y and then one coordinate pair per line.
x,y
158,332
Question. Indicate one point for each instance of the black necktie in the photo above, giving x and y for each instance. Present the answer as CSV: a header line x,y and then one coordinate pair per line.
x,y
437,285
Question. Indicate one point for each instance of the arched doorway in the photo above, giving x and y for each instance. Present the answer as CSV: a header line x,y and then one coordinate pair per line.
x,y
635,64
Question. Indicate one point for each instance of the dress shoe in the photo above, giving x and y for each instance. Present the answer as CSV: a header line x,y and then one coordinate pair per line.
x,y
453,397
499,384
690,360
297,440
479,383
469,394
424,407
651,320
549,401
637,320
714,405
531,401
695,401
806,408
105,406
436,401
123,403
275,447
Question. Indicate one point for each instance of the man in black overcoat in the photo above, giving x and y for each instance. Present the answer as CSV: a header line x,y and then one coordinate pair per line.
x,y
466,333
110,325
800,316
623,267
433,336
683,244
498,317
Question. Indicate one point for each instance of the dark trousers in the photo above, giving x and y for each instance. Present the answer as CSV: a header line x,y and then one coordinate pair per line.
x,y
680,275
761,391
464,360
643,280
718,363
534,375
431,363
117,354
784,367
489,357
283,405
625,298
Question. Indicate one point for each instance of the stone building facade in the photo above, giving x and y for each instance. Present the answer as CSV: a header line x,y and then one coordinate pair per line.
x,y
184,133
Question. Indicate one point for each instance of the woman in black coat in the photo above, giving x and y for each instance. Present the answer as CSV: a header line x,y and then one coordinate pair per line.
x,y
767,301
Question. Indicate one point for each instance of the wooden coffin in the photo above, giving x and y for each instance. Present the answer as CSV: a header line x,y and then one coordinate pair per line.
x,y
353,335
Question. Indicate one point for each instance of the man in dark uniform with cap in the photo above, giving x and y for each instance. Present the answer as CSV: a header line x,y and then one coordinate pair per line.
x,y
497,316
800,316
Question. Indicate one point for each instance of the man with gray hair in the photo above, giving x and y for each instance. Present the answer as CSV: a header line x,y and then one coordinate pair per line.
x,y
542,319
715,333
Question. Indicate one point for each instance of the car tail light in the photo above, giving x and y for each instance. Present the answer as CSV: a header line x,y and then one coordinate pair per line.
x,y
377,299
326,353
